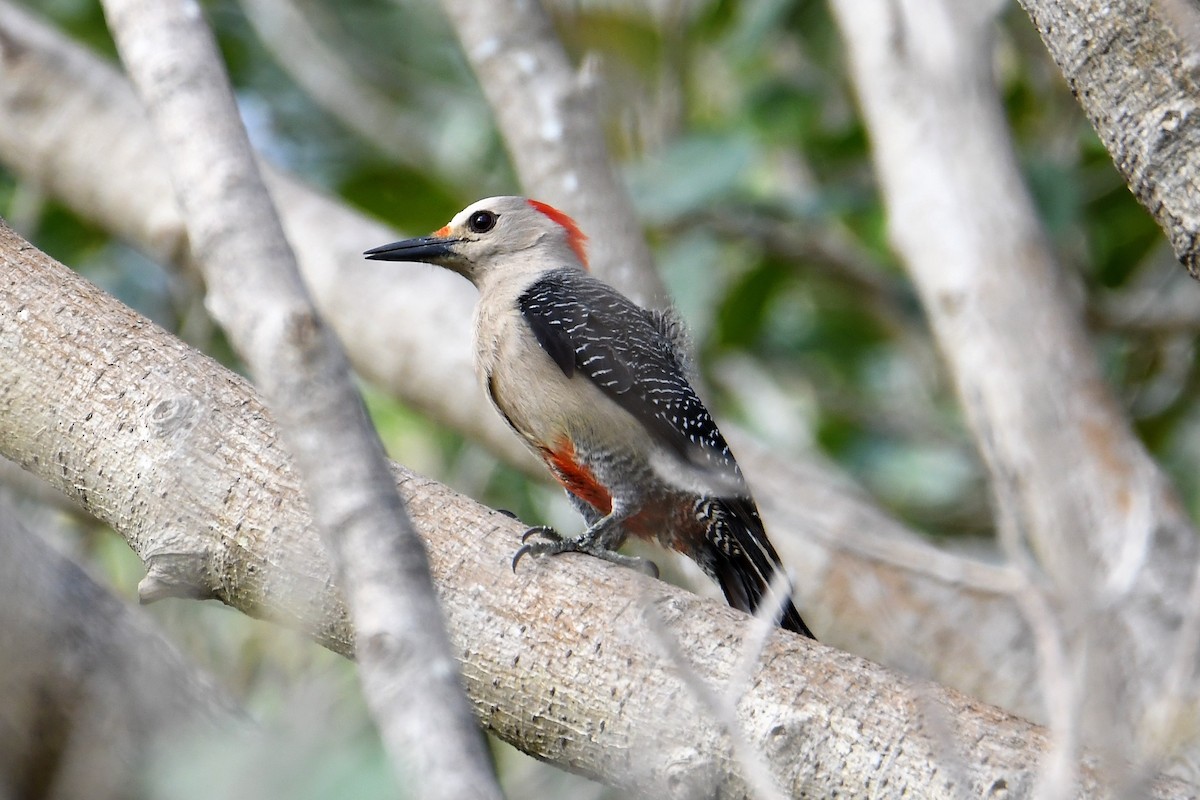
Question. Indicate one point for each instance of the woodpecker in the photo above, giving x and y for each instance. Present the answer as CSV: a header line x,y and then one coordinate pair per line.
x,y
597,387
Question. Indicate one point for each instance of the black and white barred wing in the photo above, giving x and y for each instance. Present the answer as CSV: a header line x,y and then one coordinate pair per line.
x,y
588,328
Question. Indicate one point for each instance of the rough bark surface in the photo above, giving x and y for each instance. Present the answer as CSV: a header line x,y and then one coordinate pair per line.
x,y
565,659
62,105
1132,65
410,681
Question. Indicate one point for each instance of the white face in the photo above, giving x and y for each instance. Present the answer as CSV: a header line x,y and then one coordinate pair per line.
x,y
488,232
496,226
494,239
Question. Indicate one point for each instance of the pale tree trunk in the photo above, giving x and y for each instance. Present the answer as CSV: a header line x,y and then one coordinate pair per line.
x,y
577,661
90,691
1108,553
409,677
1029,515
866,582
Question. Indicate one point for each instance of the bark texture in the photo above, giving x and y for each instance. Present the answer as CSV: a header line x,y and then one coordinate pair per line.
x,y
63,104
566,659
1132,65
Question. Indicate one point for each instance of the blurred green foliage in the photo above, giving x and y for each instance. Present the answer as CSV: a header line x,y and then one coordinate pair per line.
x,y
731,118
737,131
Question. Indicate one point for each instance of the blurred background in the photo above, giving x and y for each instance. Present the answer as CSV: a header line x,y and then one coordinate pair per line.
x,y
736,131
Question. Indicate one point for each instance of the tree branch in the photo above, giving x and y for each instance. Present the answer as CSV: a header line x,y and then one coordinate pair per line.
x,y
89,688
255,290
1132,66
181,457
547,115
61,105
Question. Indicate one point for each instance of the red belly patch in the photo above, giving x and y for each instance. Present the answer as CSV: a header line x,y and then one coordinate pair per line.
x,y
575,477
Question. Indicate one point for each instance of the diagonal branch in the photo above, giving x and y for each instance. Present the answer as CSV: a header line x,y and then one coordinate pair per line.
x,y
870,584
1132,65
547,115
182,458
255,290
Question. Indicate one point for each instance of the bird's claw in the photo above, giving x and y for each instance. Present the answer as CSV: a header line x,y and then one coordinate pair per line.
x,y
552,536
544,531
555,543
517,556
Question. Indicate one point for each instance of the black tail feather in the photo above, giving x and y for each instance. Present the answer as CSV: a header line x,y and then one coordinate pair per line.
x,y
745,563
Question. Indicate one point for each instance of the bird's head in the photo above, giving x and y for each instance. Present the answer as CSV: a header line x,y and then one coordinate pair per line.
x,y
509,234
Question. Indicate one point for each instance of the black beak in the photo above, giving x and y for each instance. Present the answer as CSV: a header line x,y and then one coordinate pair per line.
x,y
422,248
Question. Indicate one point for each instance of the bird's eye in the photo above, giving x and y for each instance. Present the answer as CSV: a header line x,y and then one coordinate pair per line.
x,y
482,221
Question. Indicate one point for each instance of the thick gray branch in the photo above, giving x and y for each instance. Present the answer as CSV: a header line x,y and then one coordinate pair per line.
x,y
561,659
1132,65
60,105
409,676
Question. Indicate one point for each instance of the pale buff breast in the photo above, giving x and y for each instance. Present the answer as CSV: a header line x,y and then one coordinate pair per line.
x,y
541,403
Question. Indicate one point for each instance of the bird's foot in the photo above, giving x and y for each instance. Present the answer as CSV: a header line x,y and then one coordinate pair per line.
x,y
553,543
545,531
